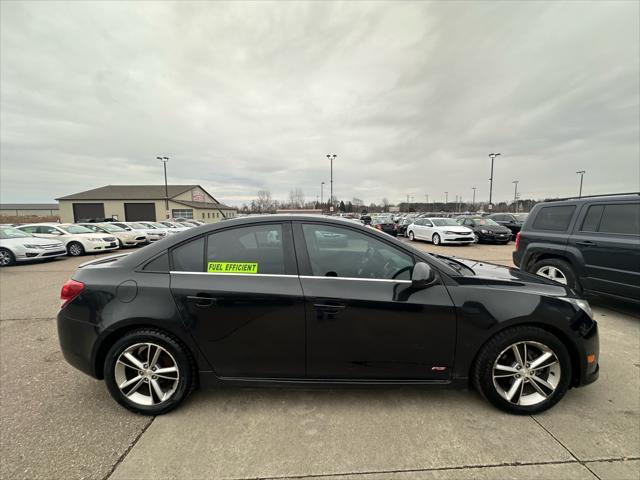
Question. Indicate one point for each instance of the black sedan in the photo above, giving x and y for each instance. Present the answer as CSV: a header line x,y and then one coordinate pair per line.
x,y
386,225
513,221
485,230
284,300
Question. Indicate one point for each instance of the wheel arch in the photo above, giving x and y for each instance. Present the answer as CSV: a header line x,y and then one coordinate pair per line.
x,y
111,336
557,332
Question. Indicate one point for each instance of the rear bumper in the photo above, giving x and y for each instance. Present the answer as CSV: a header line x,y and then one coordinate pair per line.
x,y
77,340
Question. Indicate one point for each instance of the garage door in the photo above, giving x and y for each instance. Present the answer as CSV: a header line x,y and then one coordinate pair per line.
x,y
140,211
87,211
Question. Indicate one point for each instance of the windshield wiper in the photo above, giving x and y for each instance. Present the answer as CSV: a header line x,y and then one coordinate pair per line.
x,y
455,264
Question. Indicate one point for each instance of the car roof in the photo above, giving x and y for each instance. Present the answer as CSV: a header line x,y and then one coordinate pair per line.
x,y
592,198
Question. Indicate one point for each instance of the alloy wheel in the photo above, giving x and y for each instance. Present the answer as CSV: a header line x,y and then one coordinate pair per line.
x,y
476,238
75,249
5,258
146,374
436,239
526,373
552,273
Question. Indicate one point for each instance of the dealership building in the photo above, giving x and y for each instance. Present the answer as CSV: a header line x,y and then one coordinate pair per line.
x,y
144,202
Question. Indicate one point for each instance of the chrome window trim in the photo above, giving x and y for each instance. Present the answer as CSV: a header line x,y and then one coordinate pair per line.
x,y
277,275
309,277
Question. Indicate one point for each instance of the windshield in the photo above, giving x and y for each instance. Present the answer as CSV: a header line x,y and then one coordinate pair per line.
x,y
10,232
73,229
444,222
157,225
484,221
521,217
111,228
137,226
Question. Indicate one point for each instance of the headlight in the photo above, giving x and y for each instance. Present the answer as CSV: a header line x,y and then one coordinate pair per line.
x,y
33,246
484,231
581,304
451,233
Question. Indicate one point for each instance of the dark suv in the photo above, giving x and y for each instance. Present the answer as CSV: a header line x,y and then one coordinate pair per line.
x,y
513,221
591,244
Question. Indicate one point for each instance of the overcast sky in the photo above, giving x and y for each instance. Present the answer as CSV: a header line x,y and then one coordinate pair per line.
x,y
411,96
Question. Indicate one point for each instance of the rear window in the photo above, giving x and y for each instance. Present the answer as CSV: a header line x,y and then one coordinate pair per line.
x,y
554,218
158,264
621,218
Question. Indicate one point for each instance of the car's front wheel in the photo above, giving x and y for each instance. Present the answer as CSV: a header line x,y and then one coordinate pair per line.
x,y
149,372
476,238
436,239
6,257
75,249
523,370
412,236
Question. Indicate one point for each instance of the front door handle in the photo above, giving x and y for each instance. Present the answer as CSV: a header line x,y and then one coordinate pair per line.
x,y
201,300
586,243
329,307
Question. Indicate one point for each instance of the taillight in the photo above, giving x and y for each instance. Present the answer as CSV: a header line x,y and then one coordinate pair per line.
x,y
378,226
517,240
70,290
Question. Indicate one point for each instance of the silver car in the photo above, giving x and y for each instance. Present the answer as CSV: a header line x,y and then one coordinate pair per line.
x,y
19,246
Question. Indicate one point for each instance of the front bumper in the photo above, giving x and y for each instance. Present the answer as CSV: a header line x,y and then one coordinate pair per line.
x,y
494,238
100,246
448,238
39,254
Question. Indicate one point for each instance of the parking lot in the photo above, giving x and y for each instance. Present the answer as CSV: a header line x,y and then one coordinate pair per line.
x,y
59,423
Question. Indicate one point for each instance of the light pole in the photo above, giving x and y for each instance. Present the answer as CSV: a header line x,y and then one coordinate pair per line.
x,y
474,197
446,201
164,161
492,156
331,159
322,194
581,173
515,196
427,199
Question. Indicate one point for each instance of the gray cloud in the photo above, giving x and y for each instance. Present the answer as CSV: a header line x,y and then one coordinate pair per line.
x,y
242,96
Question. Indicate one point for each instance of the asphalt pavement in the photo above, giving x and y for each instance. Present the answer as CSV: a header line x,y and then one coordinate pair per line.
x,y
56,422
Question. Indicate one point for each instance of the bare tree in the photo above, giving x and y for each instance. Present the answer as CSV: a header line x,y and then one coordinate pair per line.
x,y
296,198
264,202
385,204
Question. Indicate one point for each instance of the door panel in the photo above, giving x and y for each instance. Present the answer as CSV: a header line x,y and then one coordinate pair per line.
x,y
364,319
246,324
379,330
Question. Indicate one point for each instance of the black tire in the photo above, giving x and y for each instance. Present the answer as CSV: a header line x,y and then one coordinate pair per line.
x,y
476,238
433,239
412,237
482,376
183,358
75,249
562,266
7,257
120,244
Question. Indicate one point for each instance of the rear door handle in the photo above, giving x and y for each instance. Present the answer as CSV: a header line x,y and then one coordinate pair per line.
x,y
586,243
201,300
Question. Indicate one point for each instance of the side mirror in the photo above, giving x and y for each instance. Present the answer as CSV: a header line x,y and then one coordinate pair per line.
x,y
422,275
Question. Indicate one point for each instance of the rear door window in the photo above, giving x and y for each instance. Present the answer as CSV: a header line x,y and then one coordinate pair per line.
x,y
592,218
621,218
554,218
188,257
258,249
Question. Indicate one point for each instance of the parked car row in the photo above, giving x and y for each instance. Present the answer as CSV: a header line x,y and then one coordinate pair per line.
x,y
43,241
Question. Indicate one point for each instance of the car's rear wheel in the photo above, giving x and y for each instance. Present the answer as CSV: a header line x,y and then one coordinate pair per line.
x,y
75,249
149,372
412,236
556,270
435,239
523,370
6,257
